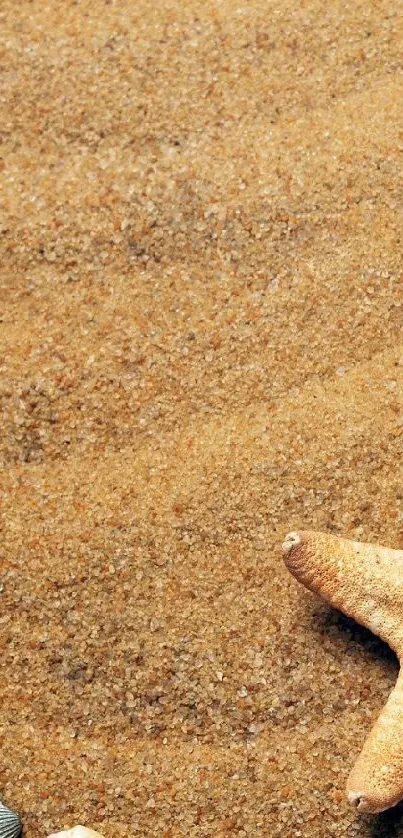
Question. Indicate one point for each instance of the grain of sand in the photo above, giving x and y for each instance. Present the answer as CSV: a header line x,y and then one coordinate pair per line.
x,y
200,348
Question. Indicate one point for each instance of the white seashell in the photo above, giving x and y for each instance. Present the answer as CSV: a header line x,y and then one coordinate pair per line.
x,y
75,832
10,823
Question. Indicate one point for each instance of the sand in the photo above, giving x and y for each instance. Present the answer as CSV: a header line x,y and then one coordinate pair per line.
x,y
200,349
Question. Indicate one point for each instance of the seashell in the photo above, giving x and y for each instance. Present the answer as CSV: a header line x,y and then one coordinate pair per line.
x,y
75,832
10,823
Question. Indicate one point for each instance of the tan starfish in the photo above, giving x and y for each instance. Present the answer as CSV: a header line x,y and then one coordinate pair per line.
x,y
365,582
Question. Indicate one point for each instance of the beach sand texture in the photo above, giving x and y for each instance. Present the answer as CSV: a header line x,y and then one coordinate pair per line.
x,y
200,349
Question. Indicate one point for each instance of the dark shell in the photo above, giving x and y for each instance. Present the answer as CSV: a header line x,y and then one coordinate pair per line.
x,y
10,823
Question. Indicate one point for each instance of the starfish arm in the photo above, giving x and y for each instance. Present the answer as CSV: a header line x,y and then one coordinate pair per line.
x,y
362,580
366,583
376,781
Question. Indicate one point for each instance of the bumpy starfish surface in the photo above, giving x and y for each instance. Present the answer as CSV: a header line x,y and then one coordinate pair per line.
x,y
366,583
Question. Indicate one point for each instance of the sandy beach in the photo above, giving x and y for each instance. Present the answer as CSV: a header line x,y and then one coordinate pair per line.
x,y
201,316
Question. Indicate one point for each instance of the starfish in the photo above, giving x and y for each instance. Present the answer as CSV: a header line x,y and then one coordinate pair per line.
x,y
364,582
